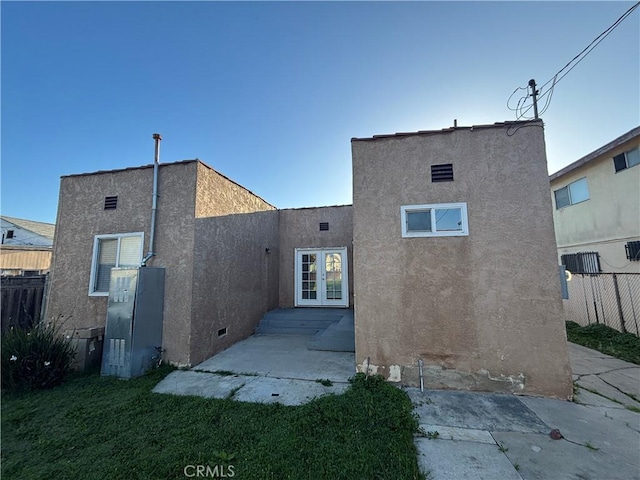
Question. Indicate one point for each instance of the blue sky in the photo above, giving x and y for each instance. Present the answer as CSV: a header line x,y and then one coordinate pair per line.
x,y
270,94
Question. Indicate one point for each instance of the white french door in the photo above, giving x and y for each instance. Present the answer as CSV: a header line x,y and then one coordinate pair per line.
x,y
321,277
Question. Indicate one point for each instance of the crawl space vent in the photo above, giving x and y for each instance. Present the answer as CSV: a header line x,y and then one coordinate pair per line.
x,y
110,203
222,332
324,226
442,173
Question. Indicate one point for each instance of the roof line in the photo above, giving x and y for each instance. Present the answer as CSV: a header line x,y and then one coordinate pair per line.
x,y
197,160
234,182
128,168
613,144
448,130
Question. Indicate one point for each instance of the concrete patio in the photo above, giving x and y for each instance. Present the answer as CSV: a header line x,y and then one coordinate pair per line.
x,y
266,369
479,435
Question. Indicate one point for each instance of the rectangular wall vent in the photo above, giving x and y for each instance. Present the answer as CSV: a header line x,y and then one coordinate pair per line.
x,y
222,332
442,173
324,226
110,203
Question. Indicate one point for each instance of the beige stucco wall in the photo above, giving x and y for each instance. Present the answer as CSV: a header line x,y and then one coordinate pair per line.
x,y
218,195
81,216
300,228
235,278
611,216
484,311
186,190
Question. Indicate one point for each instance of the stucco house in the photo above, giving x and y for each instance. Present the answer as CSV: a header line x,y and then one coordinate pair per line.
x,y
25,247
596,208
447,256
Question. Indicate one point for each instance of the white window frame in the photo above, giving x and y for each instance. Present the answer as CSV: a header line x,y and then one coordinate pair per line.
x,y
568,187
432,207
626,160
94,260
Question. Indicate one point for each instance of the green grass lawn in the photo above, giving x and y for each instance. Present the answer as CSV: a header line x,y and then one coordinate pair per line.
x,y
94,427
625,346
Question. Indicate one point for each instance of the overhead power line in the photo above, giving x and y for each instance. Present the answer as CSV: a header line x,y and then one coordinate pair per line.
x,y
520,109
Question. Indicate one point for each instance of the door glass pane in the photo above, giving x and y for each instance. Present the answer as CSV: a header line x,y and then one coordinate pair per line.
x,y
333,280
419,221
308,285
448,219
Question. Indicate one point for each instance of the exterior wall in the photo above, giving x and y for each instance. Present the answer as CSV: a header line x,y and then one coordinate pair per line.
x,y
483,311
299,228
217,195
611,216
235,279
25,258
81,216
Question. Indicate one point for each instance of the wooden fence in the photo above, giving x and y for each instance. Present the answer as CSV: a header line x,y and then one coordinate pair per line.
x,y
22,300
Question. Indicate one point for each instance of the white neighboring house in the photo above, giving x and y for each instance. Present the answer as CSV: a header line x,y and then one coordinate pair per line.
x,y
26,246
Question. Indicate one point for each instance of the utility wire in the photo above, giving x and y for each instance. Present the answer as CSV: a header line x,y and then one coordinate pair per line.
x,y
577,59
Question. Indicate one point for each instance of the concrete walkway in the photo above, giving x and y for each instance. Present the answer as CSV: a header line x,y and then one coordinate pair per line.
x,y
492,436
479,435
265,369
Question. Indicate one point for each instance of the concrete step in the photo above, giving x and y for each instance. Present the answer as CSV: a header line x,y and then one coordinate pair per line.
x,y
271,330
337,337
303,321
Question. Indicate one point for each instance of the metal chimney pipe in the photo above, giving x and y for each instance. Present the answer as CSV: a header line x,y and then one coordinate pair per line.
x,y
154,202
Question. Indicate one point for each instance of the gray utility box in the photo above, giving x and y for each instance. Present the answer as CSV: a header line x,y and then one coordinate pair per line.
x,y
88,344
133,333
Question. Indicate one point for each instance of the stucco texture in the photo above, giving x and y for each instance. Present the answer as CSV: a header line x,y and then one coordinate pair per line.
x,y
235,280
81,216
483,311
185,189
300,228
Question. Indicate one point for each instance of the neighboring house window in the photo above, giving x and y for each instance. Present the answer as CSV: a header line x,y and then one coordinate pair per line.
x,y
633,251
582,262
627,159
110,251
573,193
435,220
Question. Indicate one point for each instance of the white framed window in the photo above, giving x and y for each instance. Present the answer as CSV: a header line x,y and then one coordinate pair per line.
x,y
110,251
573,193
627,159
435,220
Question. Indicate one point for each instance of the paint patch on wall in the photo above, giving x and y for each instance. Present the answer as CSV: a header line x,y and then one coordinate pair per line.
x,y
372,369
395,373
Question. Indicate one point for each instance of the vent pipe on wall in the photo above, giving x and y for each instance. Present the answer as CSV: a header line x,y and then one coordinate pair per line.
x,y
154,203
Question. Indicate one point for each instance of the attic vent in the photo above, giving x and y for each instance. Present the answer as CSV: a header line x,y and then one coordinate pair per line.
x,y
324,226
442,173
110,203
9,233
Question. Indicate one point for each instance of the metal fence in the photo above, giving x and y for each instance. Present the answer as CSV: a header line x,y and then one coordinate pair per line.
x,y
22,300
611,299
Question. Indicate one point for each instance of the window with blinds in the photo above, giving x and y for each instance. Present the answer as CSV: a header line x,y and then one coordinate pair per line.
x,y
110,251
